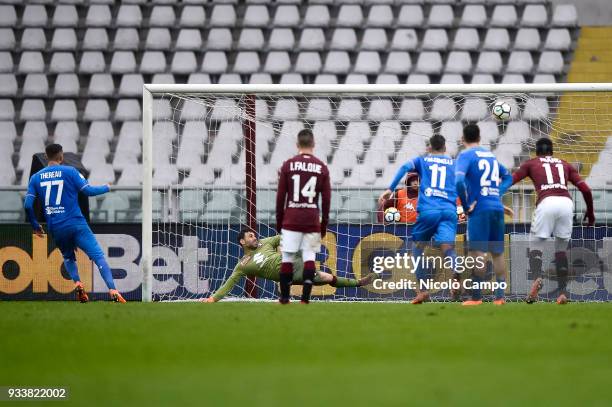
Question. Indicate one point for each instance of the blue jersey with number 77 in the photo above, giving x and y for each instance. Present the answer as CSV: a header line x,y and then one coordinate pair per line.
x,y
481,179
58,187
437,181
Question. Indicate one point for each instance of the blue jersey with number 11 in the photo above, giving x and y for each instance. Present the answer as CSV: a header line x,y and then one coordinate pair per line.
x,y
437,181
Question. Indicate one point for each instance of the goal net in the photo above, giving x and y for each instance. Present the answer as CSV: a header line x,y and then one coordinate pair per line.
x,y
212,152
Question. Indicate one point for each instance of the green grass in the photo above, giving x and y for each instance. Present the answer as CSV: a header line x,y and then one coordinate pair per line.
x,y
326,353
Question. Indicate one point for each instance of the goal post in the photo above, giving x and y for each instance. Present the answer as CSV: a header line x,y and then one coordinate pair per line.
x,y
207,149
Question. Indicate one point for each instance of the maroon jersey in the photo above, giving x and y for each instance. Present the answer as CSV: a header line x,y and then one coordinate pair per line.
x,y
549,175
302,179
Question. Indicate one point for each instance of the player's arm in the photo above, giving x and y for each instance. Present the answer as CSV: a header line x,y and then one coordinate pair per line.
x,y
273,241
83,186
506,180
587,195
521,173
407,167
325,202
461,169
233,279
28,205
281,194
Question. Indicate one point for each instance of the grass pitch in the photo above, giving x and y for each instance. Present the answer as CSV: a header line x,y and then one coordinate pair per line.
x,y
344,354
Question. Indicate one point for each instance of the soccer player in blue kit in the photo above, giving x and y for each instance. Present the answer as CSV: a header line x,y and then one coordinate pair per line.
x,y
58,187
437,208
481,181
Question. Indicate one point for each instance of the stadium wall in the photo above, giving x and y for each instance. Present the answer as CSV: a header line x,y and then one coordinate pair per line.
x,y
32,267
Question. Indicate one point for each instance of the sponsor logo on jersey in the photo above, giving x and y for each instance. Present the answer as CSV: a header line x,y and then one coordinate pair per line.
x,y
53,210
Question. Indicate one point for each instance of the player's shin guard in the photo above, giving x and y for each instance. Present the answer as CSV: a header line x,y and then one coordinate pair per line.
x,y
286,277
535,264
72,269
309,274
476,292
105,272
562,266
499,292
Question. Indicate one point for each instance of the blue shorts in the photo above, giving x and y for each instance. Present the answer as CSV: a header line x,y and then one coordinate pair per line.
x,y
485,231
68,239
441,225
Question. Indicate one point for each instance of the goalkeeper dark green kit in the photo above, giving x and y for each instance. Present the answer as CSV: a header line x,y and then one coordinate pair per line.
x,y
265,262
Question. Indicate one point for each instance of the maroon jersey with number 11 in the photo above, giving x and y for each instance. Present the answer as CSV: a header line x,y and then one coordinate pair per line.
x,y
549,175
302,179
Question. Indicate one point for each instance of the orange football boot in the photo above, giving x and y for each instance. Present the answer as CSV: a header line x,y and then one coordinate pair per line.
x,y
116,297
562,299
470,303
535,289
499,301
421,298
80,292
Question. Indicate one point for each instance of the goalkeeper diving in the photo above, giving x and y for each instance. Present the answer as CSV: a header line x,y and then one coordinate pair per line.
x,y
262,259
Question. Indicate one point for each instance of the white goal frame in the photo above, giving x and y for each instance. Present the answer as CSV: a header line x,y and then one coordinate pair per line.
x,y
150,90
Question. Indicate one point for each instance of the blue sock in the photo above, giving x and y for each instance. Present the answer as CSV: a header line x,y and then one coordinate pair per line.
x,y
476,292
499,292
72,269
453,255
420,271
106,273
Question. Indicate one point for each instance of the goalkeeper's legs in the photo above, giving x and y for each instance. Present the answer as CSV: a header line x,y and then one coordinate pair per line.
x,y
322,278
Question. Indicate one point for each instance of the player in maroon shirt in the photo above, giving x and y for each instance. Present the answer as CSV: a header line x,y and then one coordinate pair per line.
x,y
554,211
302,179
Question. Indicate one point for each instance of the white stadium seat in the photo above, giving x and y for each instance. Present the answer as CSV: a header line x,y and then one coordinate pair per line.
x,y
443,109
466,39
404,39
527,39
410,16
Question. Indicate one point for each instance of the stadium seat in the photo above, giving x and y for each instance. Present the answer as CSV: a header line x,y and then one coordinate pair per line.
x,y
527,39
435,39
127,110
411,110
536,109
8,85
418,133
129,15
286,109
130,129
101,85
131,85
410,16
429,62
474,109
158,39
223,15
368,62
33,146
101,130
519,62
513,78
192,16
481,78
534,15
565,15
183,62
67,130
440,15
380,110
162,16
544,78
356,79
8,16
326,79
550,62
312,39
34,15
558,39
260,78
317,15
96,109
387,79
246,62
308,63
64,109
443,109
466,39
337,62
256,16
418,79
350,15
31,62
7,112
35,85
91,62
123,62
380,15
33,39
198,78
65,15
349,109
281,39
404,39
489,62
224,109
35,130
343,39
250,39
504,15
7,39
64,39
214,62
458,62
451,78
474,15
497,39
6,62
126,39
163,78
286,16
98,15
452,131
33,109
219,39
68,144
192,110
229,79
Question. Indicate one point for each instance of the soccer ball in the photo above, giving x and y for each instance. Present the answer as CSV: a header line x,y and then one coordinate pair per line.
x,y
392,215
501,110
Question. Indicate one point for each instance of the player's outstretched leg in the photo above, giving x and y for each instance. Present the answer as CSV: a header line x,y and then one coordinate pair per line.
x,y
72,269
327,278
562,269
86,240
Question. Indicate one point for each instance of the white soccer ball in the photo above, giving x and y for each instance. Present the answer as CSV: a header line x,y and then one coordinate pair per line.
x,y
392,215
501,110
